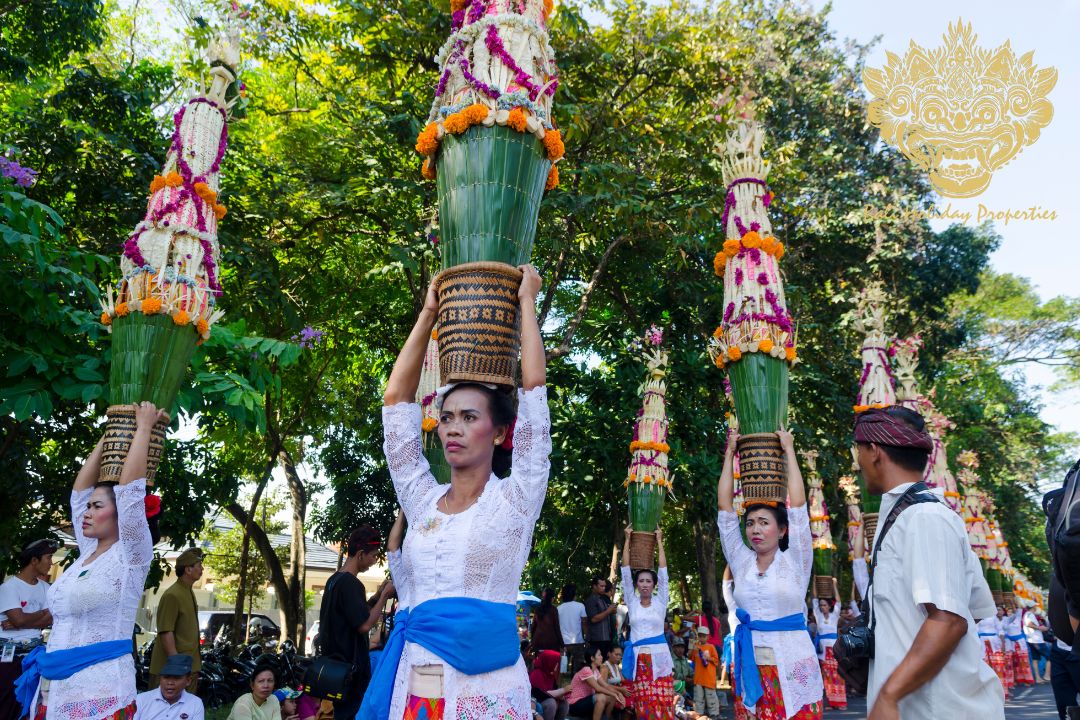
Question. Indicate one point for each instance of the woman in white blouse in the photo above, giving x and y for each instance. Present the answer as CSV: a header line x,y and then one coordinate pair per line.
x,y
93,603
457,650
783,679
827,616
647,664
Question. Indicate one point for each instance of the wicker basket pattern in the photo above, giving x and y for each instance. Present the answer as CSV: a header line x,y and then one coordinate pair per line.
x,y
119,432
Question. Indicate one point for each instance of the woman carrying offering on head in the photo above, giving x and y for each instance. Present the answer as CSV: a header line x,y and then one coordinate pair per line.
x,y
455,650
776,673
647,663
827,616
87,668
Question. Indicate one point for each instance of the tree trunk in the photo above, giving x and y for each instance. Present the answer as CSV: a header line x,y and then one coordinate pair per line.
x,y
247,520
297,548
705,548
273,565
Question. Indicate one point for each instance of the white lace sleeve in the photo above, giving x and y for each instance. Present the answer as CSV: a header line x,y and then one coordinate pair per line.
x,y
397,569
79,498
136,545
800,542
526,487
404,452
818,617
662,587
735,551
729,595
627,585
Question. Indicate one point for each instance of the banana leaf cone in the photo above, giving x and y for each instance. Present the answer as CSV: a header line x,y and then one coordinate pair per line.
x,y
150,357
759,383
823,562
490,183
646,507
437,462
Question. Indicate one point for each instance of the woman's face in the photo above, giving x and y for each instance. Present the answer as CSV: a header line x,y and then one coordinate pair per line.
x,y
262,685
467,429
288,707
597,659
645,584
99,520
615,656
762,531
1000,612
823,606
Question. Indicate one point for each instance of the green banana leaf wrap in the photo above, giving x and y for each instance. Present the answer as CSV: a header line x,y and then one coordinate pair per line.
x,y
150,357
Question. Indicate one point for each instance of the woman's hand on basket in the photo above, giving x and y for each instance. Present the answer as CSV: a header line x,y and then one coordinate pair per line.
x,y
147,415
628,529
732,444
431,301
787,441
530,284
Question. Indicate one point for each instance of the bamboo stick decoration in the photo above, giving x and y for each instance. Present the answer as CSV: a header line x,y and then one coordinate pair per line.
x,y
905,355
850,487
648,480
426,393
165,303
755,341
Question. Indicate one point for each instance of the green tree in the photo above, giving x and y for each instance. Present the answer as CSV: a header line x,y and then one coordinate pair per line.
x,y
223,560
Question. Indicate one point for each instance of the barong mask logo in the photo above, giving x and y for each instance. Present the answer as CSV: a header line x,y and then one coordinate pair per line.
x,y
960,111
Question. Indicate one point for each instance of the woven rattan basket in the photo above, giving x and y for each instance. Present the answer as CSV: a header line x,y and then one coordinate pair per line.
x,y
119,432
642,550
761,465
870,521
823,587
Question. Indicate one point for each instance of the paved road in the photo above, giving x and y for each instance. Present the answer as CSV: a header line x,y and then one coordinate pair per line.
x,y
1027,703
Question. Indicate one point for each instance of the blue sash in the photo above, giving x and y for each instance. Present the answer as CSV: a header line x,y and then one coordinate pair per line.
x,y
629,662
825,636
472,636
1016,638
987,634
747,677
62,664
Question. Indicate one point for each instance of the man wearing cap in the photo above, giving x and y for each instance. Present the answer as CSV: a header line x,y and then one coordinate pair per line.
x,y
170,700
178,618
23,615
927,590
682,670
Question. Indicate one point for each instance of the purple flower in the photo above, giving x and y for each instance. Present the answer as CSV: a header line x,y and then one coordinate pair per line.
x,y
755,226
763,278
738,276
729,311
755,255
22,176
309,337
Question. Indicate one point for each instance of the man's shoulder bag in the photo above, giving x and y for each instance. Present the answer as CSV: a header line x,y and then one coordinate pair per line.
x,y
854,648
327,677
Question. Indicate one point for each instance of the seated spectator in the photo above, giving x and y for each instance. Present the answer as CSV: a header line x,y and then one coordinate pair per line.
x,y
24,614
590,696
170,699
544,679
611,673
295,705
682,670
260,703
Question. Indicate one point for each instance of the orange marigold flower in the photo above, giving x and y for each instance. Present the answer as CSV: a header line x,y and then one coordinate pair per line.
x,y
181,317
428,169
435,333
219,211
456,5
202,326
477,113
718,263
719,361
751,239
779,252
552,178
121,309
205,192
766,345
549,5
768,244
718,333
156,184
174,179
734,352
790,354
554,145
151,306
731,248
427,142
428,424
105,319
517,119
456,123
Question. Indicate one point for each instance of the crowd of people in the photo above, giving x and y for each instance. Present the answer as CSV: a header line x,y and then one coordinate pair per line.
x,y
927,642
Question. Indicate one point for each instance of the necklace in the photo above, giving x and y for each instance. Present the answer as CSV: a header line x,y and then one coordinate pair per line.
x,y
446,503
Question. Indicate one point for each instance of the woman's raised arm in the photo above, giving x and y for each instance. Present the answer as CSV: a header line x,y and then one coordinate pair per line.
x,y
405,377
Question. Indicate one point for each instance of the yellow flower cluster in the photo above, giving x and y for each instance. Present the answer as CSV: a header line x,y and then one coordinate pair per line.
x,y
871,406
427,142
752,239
428,424
654,446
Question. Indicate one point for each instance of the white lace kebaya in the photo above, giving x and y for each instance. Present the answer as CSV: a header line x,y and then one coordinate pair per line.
x,y
479,553
97,602
778,592
646,622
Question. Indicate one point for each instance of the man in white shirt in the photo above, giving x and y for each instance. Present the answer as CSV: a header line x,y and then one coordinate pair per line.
x,y
170,700
927,591
23,615
572,622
